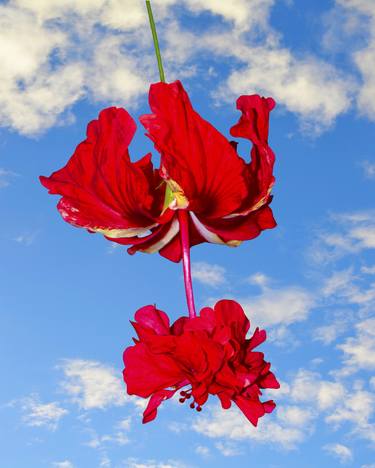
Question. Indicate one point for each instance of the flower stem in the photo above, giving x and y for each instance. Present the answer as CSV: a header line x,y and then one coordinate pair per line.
x,y
182,214
155,39
184,236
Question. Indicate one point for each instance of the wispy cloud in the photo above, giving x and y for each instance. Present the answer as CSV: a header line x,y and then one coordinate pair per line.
x,y
209,274
347,234
38,414
228,449
120,435
359,350
5,177
136,463
351,29
26,239
327,334
357,409
369,169
276,306
340,451
345,287
63,464
92,384
202,450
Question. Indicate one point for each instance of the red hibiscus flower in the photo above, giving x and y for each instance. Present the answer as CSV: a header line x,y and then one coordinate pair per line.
x,y
226,199
205,355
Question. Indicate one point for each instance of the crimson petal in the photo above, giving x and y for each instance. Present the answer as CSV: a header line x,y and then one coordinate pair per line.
x,y
155,401
146,373
101,189
193,153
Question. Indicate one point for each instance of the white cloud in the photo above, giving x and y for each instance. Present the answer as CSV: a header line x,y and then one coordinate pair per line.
x,y
351,29
356,408
369,169
368,270
295,416
70,57
228,449
333,402
295,83
344,287
124,424
92,384
120,436
128,80
67,59
278,306
203,451
259,279
34,91
351,233
233,426
27,238
365,61
340,451
313,89
337,282
359,351
63,464
134,463
5,176
38,414
309,387
105,461
210,275
178,427
245,14
329,333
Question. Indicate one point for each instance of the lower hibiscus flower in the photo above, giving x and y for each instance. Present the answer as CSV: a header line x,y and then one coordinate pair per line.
x,y
200,356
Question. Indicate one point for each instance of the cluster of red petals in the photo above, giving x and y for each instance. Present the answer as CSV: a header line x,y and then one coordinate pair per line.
x,y
205,355
134,204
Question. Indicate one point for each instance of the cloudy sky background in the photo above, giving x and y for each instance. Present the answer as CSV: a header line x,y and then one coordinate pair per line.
x,y
66,297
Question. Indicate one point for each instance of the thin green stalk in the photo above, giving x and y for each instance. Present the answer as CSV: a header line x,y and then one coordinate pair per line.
x,y
155,39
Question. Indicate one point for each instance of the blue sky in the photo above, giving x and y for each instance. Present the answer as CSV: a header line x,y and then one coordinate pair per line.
x,y
66,297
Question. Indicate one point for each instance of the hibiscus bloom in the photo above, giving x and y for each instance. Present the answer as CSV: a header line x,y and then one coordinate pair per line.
x,y
227,199
205,355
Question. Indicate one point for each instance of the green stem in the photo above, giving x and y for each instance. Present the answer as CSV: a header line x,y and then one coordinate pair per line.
x,y
155,39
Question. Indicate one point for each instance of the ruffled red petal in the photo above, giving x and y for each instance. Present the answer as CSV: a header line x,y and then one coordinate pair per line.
x,y
252,409
193,153
242,227
253,125
101,188
258,338
146,373
154,319
155,401
230,313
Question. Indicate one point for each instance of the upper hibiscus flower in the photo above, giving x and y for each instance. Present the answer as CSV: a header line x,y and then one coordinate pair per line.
x,y
209,354
130,203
